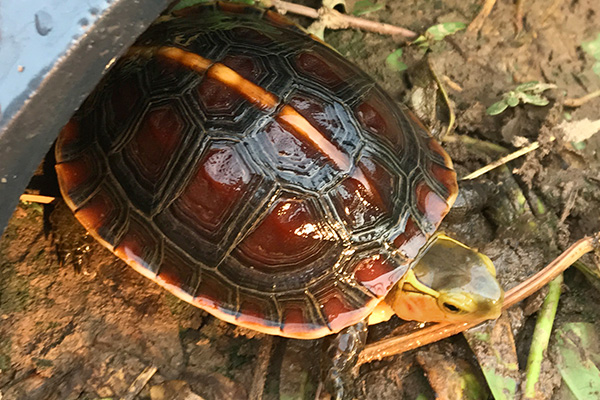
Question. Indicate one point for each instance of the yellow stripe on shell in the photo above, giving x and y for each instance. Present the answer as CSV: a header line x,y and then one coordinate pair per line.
x,y
289,116
260,98
222,73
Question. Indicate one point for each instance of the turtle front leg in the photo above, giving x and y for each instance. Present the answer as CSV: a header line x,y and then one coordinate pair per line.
x,y
340,353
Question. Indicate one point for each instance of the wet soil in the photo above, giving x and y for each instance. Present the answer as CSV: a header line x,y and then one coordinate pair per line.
x,y
85,328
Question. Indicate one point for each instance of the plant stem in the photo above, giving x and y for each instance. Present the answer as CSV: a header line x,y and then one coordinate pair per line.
x,y
541,336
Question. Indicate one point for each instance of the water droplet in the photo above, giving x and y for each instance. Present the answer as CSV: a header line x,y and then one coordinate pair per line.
x,y
43,22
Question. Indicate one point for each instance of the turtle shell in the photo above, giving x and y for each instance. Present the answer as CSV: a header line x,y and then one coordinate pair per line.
x,y
252,171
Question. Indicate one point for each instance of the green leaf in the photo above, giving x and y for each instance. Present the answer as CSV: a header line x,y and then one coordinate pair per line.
x,y
535,87
534,99
592,47
527,86
496,108
502,387
512,99
422,42
440,31
577,344
363,7
420,39
393,61
596,68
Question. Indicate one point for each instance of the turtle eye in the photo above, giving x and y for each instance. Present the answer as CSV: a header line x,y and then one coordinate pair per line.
x,y
451,308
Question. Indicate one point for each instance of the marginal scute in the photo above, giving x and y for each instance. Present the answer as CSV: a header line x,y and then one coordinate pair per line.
x,y
378,274
70,141
337,311
78,175
257,310
238,8
96,211
252,312
139,246
211,293
447,178
294,320
177,272
281,21
430,204
411,240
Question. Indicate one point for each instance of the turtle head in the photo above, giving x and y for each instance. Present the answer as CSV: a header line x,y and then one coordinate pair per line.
x,y
449,283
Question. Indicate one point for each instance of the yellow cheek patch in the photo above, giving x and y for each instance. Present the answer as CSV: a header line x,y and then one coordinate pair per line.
x,y
412,306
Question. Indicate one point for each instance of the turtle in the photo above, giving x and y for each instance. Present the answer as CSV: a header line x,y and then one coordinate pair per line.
x,y
251,170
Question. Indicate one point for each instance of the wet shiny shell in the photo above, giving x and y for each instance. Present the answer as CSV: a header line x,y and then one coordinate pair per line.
x,y
254,172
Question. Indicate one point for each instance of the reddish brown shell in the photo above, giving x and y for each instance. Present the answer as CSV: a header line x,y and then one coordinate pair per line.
x,y
254,172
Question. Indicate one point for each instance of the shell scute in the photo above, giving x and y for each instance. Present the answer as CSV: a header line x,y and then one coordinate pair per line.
x,y
291,236
220,193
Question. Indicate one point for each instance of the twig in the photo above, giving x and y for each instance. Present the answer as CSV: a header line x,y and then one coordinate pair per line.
x,y
432,333
576,102
519,16
442,89
139,383
550,10
37,198
336,20
541,336
502,161
477,145
453,85
479,20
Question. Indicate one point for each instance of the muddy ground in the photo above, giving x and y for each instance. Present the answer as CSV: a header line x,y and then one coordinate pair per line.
x,y
87,332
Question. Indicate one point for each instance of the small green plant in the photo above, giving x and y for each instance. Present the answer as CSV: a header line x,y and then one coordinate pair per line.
x,y
363,7
394,62
526,93
438,32
593,49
